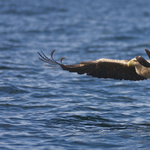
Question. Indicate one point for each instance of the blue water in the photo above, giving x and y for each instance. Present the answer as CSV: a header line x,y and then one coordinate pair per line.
x,y
43,108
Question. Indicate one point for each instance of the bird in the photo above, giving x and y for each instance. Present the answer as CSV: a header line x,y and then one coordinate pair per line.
x,y
135,69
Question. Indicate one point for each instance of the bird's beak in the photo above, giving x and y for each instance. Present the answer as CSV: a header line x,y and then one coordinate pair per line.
x,y
130,63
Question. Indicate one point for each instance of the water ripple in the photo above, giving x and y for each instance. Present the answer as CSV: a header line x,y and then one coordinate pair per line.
x,y
45,108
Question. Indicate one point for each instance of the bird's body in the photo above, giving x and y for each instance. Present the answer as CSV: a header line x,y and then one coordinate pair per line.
x,y
135,69
143,71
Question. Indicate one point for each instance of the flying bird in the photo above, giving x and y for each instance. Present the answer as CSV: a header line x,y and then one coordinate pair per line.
x,y
135,69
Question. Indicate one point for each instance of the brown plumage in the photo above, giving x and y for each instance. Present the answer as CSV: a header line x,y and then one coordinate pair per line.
x,y
142,61
104,68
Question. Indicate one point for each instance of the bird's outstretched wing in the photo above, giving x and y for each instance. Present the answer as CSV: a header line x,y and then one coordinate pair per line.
x,y
143,62
101,68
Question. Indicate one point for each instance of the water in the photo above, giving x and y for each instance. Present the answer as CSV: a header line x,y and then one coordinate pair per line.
x,y
43,108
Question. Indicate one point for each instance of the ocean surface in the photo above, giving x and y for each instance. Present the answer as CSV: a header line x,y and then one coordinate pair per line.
x,y
42,108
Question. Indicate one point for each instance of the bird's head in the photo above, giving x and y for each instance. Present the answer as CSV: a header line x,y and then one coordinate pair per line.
x,y
133,62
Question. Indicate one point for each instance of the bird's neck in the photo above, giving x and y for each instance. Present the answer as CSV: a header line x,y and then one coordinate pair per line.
x,y
138,69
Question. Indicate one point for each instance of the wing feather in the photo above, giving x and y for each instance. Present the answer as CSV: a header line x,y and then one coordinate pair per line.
x,y
147,52
143,62
101,68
